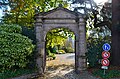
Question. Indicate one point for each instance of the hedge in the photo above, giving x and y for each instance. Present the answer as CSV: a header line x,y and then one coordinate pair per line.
x,y
14,48
12,28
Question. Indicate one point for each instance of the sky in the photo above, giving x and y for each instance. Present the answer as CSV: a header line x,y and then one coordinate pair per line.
x,y
100,1
0,13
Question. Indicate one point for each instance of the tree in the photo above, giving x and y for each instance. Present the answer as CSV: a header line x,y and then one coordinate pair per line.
x,y
115,32
23,11
111,19
97,20
57,37
81,5
98,23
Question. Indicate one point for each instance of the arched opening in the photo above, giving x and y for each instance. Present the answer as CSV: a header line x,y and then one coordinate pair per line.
x,y
60,47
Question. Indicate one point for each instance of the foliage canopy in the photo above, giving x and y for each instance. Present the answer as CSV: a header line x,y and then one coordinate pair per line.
x,y
22,11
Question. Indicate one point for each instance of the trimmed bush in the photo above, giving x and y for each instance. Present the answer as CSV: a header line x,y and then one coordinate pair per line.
x,y
12,28
14,48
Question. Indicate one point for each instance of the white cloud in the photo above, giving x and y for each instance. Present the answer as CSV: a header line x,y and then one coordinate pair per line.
x,y
1,13
100,1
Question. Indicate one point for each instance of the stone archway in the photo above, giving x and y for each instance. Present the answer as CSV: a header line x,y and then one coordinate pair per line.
x,y
60,17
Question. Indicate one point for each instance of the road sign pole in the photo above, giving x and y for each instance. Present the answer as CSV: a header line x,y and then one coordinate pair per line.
x,y
105,54
104,72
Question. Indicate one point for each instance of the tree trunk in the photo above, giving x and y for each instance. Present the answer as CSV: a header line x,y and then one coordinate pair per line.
x,y
115,33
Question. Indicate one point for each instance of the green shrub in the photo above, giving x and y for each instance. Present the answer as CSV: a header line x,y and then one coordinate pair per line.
x,y
69,50
94,46
12,28
109,73
29,32
8,74
49,54
52,49
15,48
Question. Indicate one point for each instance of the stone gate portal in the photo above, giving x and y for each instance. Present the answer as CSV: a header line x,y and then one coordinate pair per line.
x,y
60,18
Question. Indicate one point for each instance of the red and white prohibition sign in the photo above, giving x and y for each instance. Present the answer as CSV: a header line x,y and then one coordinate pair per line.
x,y
105,54
105,62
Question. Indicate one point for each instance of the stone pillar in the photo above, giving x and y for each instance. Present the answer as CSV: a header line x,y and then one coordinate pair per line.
x,y
82,46
40,44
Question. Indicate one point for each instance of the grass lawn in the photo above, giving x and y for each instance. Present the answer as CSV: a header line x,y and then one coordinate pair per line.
x,y
112,72
15,73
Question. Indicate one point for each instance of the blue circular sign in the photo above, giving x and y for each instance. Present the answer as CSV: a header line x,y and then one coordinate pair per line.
x,y
106,47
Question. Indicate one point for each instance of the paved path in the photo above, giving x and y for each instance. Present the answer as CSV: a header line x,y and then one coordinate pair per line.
x,y
67,59
63,68
65,72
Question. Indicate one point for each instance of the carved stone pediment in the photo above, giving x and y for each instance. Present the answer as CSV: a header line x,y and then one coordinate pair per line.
x,y
60,12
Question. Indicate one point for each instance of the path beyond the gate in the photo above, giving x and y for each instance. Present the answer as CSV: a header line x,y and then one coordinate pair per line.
x,y
67,59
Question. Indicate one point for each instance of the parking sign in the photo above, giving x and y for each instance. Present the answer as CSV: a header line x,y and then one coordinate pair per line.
x,y
105,62
105,54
